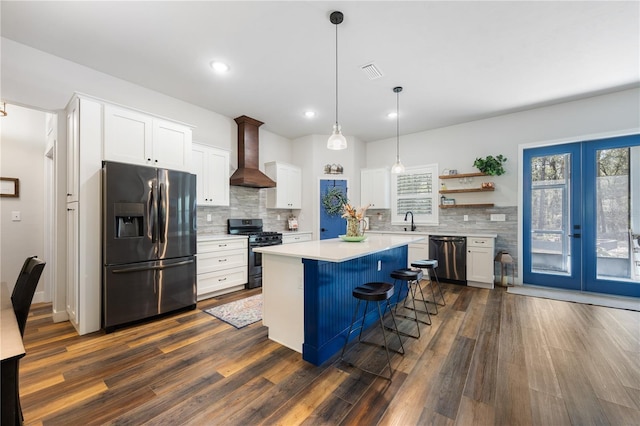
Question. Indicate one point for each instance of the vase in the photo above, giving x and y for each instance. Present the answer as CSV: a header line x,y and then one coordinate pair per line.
x,y
353,227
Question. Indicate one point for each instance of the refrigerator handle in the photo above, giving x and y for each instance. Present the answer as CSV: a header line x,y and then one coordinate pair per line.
x,y
162,214
153,213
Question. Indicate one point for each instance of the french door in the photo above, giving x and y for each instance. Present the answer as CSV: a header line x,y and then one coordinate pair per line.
x,y
581,216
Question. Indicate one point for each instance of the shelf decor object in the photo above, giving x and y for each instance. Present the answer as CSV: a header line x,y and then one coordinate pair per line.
x,y
490,165
336,141
397,166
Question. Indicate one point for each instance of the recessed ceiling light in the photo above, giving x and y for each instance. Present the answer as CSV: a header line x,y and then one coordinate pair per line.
x,y
392,115
309,114
220,67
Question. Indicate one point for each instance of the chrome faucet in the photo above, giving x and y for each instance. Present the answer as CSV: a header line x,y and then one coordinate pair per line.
x,y
413,226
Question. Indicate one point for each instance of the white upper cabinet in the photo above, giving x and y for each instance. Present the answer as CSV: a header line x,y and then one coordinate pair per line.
x,y
375,188
211,166
137,138
288,191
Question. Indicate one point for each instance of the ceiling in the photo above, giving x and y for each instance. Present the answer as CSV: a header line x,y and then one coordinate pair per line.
x,y
457,61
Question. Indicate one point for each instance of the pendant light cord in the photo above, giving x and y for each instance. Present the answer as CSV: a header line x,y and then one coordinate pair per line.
x,y
336,74
397,126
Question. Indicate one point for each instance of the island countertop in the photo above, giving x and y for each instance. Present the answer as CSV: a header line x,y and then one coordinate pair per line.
x,y
336,250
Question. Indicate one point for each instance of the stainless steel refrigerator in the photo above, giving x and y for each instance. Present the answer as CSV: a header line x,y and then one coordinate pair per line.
x,y
149,242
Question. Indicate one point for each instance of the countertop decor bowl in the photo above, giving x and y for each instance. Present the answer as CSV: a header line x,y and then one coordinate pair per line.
x,y
353,239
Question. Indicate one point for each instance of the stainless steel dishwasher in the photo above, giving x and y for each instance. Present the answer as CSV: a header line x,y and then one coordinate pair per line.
x,y
451,254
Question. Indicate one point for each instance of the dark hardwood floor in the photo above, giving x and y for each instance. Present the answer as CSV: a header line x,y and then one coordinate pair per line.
x,y
489,358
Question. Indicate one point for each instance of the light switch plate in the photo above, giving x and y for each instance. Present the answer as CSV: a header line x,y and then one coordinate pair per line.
x,y
15,216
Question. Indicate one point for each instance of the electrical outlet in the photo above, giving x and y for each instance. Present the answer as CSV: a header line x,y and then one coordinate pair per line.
x,y
278,217
498,218
379,265
209,218
15,216
466,217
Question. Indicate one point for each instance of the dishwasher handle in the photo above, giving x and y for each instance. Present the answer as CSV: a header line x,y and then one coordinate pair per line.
x,y
447,239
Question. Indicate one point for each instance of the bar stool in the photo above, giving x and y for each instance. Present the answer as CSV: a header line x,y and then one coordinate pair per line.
x,y
412,277
373,292
431,265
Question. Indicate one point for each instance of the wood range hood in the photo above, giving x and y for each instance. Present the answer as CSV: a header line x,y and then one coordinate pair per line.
x,y
248,173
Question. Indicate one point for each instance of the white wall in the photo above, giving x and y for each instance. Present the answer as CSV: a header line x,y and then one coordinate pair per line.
x,y
22,152
456,147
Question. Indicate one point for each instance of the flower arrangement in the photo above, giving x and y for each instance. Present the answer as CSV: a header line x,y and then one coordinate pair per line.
x,y
354,216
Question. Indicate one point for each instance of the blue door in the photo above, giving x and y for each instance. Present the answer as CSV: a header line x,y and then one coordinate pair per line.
x,y
581,216
332,225
552,217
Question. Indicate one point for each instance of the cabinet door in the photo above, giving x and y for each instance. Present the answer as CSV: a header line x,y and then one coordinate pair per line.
x,y
294,187
218,177
199,159
127,136
211,166
480,264
288,191
375,188
171,145
417,252
73,151
73,262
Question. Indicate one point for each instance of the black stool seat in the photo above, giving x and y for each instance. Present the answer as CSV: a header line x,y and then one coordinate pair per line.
x,y
373,292
428,263
431,265
406,274
378,292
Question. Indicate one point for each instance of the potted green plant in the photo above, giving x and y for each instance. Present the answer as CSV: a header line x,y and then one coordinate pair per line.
x,y
491,165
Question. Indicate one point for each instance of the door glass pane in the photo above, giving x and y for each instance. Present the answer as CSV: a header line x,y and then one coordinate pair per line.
x,y
613,212
550,197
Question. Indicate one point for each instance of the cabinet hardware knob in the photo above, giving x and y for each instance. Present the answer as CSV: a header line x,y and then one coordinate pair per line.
x,y
222,279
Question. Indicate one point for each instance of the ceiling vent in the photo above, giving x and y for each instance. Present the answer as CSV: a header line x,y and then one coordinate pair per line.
x,y
371,71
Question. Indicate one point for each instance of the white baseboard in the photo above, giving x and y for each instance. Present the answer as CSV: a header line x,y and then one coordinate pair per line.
x,y
60,316
620,302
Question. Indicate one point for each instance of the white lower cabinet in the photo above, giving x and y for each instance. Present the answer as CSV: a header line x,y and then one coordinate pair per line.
x,y
418,251
480,262
296,237
222,266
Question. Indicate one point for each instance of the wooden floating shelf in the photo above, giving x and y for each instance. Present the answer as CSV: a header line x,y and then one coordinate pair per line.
x,y
457,206
458,191
462,175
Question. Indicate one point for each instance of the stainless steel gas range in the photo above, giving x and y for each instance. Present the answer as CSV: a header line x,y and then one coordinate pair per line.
x,y
257,238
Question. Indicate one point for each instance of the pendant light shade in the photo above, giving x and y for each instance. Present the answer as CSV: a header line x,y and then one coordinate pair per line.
x,y
397,166
336,140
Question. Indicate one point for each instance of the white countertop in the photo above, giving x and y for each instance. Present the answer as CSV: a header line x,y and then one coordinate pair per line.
x,y
443,234
336,250
296,232
220,237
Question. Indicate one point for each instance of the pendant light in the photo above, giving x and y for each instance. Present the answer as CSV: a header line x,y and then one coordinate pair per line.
x,y
397,166
336,140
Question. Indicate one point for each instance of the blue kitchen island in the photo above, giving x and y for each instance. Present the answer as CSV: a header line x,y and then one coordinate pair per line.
x,y
307,288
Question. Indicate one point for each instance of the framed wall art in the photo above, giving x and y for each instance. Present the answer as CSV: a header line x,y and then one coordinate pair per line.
x,y
9,187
